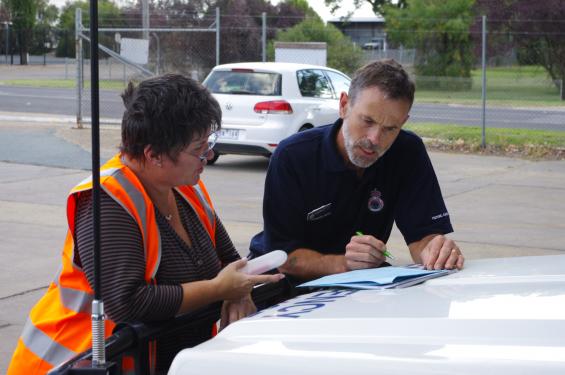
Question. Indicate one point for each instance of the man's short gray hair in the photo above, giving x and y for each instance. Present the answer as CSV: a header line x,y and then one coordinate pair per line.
x,y
388,75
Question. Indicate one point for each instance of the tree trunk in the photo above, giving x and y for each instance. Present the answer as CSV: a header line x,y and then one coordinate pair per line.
x,y
23,44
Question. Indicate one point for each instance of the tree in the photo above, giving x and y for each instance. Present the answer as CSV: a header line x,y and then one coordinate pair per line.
x,y
439,30
240,33
379,6
241,30
342,53
46,18
108,15
22,13
540,35
536,30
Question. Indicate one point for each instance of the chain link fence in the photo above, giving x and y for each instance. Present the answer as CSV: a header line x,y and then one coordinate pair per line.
x,y
518,92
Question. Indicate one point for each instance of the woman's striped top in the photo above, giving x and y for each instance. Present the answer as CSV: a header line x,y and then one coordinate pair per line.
x,y
125,294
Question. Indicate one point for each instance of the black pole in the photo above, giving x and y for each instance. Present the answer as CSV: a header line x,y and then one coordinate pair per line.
x,y
99,364
95,111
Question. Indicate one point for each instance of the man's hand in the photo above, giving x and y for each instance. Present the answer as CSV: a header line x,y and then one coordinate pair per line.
x,y
441,253
364,251
233,310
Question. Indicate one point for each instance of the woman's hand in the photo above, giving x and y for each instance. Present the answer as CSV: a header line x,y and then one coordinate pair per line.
x,y
234,285
233,310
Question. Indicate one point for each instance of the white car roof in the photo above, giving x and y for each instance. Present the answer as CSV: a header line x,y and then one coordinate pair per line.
x,y
497,316
278,67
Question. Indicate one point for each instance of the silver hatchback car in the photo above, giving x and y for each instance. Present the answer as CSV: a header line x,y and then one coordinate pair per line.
x,y
263,103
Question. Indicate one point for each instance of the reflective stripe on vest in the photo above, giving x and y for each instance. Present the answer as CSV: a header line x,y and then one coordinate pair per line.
x,y
139,202
139,212
43,346
198,198
74,299
204,203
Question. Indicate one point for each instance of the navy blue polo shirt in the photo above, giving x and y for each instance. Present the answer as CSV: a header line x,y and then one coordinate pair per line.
x,y
313,200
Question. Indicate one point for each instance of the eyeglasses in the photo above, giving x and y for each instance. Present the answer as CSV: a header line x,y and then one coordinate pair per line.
x,y
212,139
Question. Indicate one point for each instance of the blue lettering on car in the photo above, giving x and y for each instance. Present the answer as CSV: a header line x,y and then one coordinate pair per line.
x,y
296,308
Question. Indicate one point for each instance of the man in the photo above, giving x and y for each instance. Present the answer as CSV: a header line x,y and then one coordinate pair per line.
x,y
333,193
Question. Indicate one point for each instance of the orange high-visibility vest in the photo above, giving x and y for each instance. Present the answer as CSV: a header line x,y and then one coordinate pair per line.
x,y
59,325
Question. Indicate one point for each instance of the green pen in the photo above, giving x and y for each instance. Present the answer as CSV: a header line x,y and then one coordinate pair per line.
x,y
385,252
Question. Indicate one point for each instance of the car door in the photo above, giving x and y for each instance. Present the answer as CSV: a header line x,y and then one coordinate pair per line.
x,y
318,97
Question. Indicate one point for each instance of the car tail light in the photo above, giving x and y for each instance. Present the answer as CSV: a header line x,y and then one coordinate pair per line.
x,y
273,106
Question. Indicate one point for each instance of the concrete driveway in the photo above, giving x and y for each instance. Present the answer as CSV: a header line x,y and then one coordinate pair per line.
x,y
499,207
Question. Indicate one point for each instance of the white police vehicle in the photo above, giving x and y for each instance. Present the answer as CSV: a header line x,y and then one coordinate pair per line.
x,y
497,316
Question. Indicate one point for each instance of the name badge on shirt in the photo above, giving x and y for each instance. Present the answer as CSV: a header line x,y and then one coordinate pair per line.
x,y
319,213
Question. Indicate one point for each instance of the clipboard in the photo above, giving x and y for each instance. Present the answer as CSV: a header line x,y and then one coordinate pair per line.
x,y
377,278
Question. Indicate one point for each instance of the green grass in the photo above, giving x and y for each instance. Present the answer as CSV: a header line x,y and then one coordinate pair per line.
x,y
506,86
61,83
495,136
537,144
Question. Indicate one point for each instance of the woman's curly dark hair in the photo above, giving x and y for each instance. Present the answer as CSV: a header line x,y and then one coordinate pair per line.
x,y
167,113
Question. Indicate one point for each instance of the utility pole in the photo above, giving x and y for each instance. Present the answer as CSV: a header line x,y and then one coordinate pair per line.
x,y
264,35
217,36
145,18
484,81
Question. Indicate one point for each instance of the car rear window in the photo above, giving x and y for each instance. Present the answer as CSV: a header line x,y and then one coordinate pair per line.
x,y
244,82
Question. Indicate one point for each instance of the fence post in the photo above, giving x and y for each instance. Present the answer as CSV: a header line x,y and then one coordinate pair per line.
x,y
401,53
10,47
158,68
7,38
44,48
217,36
78,58
264,35
145,18
562,93
484,80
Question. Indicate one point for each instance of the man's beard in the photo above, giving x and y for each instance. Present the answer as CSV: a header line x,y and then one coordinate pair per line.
x,y
350,144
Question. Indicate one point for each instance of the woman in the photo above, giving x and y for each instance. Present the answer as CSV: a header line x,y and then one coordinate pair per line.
x,y
164,251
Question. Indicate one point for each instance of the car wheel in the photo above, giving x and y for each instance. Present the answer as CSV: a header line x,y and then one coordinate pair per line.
x,y
214,159
305,127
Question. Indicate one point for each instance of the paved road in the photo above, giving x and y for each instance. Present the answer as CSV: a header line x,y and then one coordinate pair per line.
x,y
63,102
56,101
